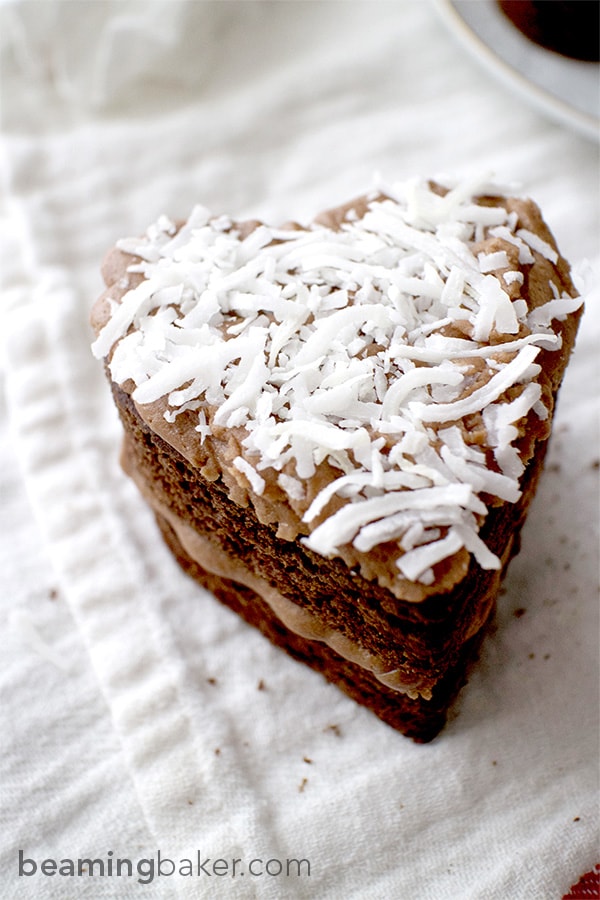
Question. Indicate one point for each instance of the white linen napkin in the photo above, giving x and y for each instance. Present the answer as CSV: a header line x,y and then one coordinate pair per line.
x,y
139,715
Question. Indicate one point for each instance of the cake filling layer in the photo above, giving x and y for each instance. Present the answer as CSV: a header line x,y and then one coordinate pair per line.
x,y
209,556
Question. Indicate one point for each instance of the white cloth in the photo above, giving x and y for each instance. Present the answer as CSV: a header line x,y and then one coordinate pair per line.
x,y
132,719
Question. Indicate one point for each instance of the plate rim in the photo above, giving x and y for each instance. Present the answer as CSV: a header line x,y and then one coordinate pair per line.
x,y
585,123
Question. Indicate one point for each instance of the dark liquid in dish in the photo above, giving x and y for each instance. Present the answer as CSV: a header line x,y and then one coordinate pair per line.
x,y
569,27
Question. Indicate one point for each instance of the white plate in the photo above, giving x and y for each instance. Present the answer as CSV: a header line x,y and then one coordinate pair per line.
x,y
566,89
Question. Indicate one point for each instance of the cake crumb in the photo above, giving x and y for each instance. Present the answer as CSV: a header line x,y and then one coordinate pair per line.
x,y
217,751
531,656
302,785
595,464
546,656
212,680
190,802
53,594
577,819
335,729
517,613
307,759
261,686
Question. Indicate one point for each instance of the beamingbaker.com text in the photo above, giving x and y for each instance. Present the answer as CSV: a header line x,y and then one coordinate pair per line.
x,y
147,869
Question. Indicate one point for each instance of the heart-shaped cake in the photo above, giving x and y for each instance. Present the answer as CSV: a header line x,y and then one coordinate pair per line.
x,y
340,427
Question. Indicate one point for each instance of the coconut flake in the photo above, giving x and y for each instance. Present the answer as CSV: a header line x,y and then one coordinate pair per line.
x,y
203,428
538,244
292,486
257,483
446,373
481,479
558,308
483,396
474,544
513,277
341,527
416,562
490,262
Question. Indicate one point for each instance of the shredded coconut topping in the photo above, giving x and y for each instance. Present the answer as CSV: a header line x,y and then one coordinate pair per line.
x,y
362,347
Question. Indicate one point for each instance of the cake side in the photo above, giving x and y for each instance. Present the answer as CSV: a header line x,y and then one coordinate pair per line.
x,y
415,717
406,646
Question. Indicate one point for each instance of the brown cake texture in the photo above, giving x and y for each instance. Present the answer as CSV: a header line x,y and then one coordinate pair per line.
x,y
340,427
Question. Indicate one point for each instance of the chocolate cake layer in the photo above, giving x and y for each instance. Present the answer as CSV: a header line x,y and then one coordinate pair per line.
x,y
411,646
415,717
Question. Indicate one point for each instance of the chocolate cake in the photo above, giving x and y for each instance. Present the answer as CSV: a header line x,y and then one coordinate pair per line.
x,y
340,427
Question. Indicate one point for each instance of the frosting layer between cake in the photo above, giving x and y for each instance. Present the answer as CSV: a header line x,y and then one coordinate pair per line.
x,y
209,556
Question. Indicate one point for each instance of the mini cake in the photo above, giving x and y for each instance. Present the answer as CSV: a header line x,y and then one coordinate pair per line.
x,y
340,427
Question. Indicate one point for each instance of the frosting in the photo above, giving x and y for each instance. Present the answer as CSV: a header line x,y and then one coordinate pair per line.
x,y
371,374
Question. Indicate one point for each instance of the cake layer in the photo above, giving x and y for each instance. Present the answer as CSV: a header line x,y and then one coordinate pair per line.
x,y
410,646
418,718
